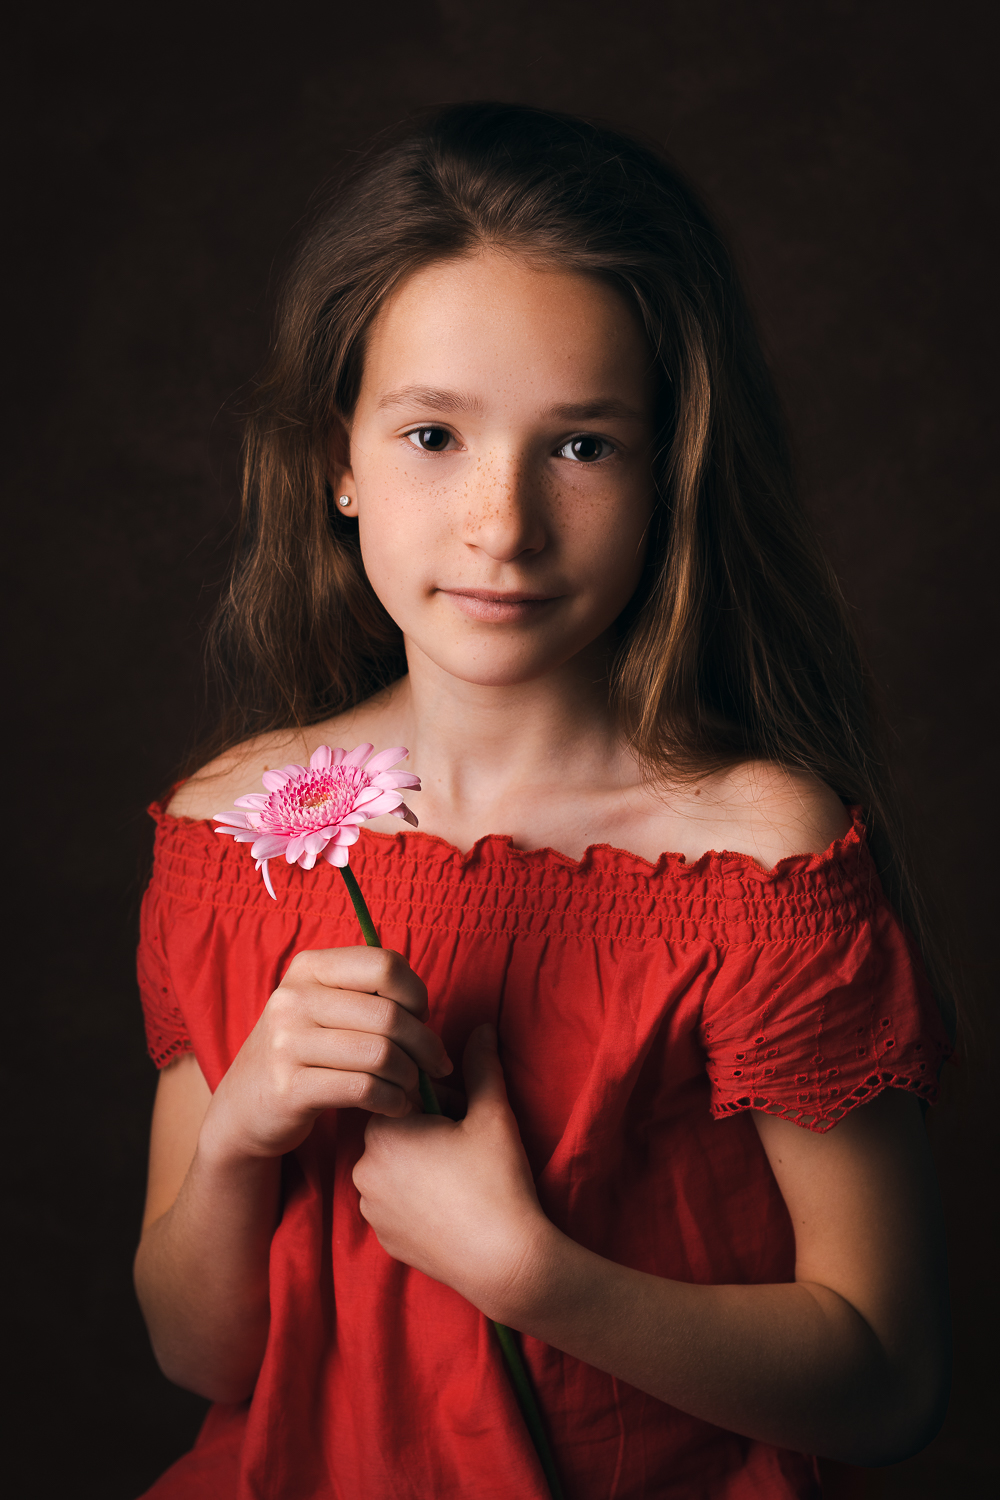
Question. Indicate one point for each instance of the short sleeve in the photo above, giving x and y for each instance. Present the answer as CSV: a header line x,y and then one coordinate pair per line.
x,y
166,1032
809,1028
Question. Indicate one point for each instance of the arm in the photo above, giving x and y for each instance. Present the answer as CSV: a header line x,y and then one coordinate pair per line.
x,y
341,1030
202,1264
850,1360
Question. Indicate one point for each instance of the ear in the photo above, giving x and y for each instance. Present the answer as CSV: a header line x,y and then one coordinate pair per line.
x,y
338,468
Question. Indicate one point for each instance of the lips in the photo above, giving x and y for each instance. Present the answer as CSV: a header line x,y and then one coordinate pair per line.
x,y
500,605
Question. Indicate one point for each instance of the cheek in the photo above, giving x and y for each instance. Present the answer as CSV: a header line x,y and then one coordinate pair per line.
x,y
396,548
606,534
382,554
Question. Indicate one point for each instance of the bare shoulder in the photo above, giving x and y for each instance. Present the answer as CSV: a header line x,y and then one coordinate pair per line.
x,y
769,812
239,770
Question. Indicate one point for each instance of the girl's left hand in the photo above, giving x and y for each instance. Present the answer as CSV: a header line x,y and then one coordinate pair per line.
x,y
456,1200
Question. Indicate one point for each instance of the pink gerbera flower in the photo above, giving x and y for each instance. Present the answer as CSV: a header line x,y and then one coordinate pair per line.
x,y
319,811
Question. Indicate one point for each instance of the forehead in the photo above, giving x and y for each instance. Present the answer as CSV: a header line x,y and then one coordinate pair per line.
x,y
494,321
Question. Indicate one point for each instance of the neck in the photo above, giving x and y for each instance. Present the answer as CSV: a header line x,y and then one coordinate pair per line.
x,y
476,745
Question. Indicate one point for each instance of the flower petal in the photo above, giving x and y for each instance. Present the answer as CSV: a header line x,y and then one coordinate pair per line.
x,y
321,757
337,854
295,847
267,879
293,771
358,755
237,819
307,859
268,845
405,779
347,836
385,802
257,801
241,835
315,843
402,811
338,755
386,758
364,796
274,780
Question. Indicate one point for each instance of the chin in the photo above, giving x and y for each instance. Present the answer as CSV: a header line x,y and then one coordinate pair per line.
x,y
511,677
499,671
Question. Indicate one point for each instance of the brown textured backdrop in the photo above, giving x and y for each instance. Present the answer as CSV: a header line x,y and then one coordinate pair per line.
x,y
161,158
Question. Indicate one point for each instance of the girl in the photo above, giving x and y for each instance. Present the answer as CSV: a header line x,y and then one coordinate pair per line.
x,y
517,497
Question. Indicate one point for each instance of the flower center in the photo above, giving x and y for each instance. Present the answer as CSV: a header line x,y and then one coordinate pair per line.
x,y
316,800
319,798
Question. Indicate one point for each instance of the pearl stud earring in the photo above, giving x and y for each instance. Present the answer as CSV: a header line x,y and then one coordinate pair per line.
x,y
344,500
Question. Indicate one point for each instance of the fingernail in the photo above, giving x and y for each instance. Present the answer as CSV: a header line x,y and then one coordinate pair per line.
x,y
445,1068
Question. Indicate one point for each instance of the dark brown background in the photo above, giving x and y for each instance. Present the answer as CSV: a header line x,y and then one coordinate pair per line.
x,y
161,160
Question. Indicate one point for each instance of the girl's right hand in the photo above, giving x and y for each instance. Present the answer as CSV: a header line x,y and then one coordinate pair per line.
x,y
343,1030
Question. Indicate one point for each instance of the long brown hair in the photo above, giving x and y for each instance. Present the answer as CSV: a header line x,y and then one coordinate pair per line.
x,y
737,645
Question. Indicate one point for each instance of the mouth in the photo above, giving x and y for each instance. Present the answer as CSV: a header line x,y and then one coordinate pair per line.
x,y
507,606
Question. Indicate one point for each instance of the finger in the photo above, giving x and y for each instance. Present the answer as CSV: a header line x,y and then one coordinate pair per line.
x,y
344,1010
331,1088
377,971
357,1052
385,1135
483,1074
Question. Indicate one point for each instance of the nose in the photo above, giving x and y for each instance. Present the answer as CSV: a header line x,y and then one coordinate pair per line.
x,y
504,519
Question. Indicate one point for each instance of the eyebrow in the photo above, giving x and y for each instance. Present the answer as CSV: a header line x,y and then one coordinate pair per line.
x,y
430,400
596,411
445,401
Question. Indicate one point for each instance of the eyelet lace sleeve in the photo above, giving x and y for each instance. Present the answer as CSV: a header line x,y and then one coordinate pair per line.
x,y
810,1028
166,1032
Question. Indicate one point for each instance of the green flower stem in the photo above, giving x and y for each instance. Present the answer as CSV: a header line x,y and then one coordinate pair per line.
x,y
529,1406
508,1343
363,914
428,1098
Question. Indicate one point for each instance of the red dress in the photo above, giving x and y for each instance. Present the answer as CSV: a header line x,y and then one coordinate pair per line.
x,y
642,1011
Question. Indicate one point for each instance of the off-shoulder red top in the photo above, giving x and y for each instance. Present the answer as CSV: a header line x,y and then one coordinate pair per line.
x,y
642,1011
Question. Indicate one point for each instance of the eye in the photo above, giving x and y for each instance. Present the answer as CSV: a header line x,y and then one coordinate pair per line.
x,y
430,439
586,449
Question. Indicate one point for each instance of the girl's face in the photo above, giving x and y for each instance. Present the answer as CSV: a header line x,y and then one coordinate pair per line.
x,y
500,464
